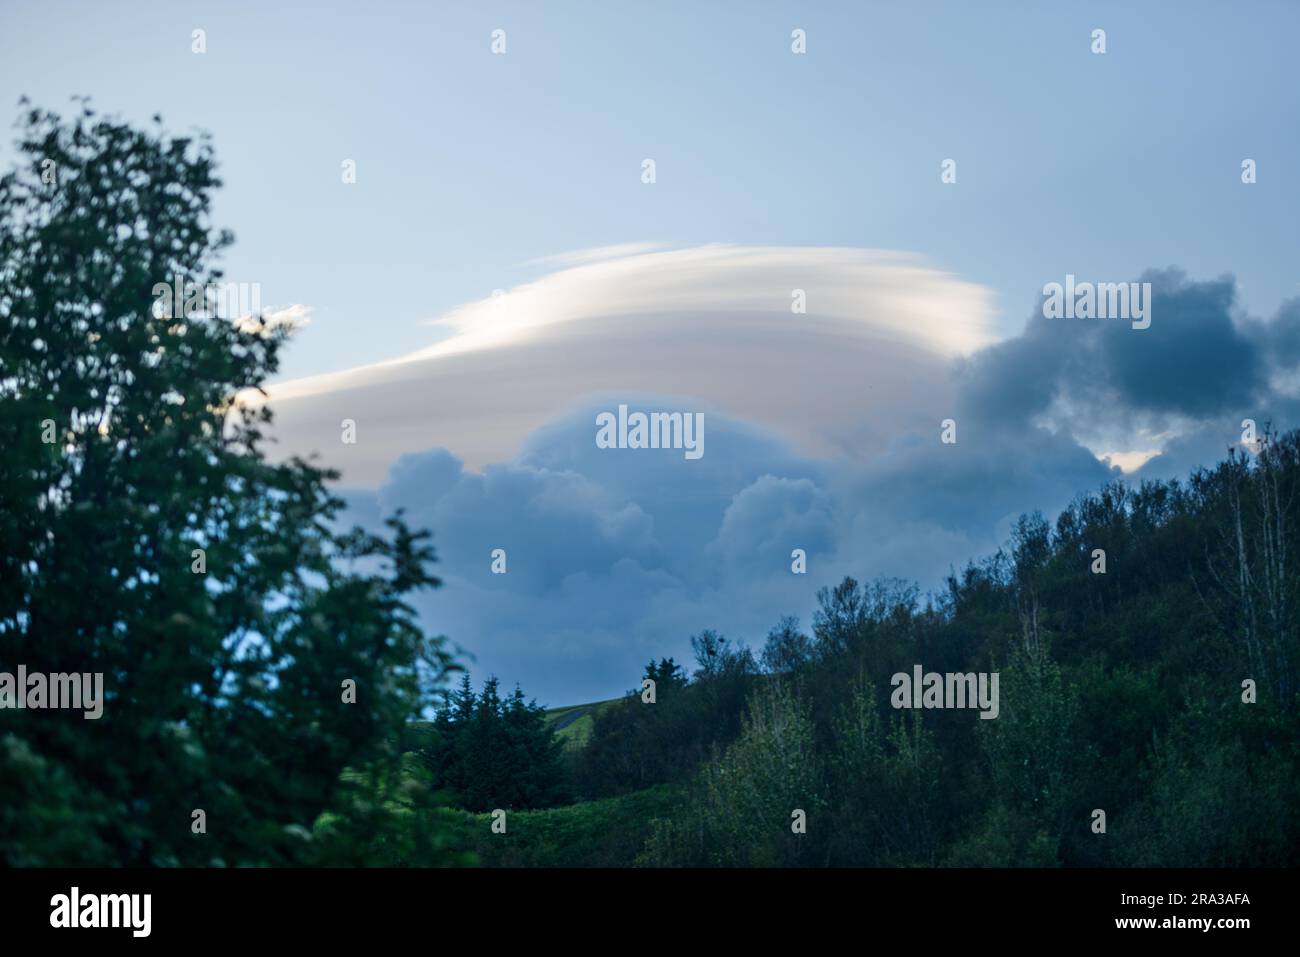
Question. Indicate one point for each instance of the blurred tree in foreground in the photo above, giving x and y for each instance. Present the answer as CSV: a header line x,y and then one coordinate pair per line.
x,y
144,535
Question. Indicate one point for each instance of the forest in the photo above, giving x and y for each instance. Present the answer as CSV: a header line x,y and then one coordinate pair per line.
x,y
1146,651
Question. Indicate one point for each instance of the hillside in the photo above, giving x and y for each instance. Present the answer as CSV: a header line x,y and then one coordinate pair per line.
x,y
573,723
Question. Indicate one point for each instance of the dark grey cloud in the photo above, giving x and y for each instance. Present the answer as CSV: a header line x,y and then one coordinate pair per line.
x,y
1194,360
1199,358
1282,337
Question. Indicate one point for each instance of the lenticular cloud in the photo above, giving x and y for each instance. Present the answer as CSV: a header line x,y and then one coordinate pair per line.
x,y
867,358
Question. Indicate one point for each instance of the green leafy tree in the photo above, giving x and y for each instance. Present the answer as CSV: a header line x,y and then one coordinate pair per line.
x,y
145,535
745,806
1034,749
884,787
787,649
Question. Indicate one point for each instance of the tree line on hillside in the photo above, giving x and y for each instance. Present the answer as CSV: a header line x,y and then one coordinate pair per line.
x,y
1146,645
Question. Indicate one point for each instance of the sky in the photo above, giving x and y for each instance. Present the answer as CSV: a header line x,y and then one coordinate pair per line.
x,y
499,273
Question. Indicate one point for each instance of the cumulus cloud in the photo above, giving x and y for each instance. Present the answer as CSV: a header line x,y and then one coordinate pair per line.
x,y
617,555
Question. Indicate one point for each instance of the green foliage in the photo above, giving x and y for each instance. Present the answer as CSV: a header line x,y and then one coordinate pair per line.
x,y
669,677
1033,747
1001,837
386,816
1218,792
787,649
742,811
634,745
885,788
487,753
604,833
224,689
1120,691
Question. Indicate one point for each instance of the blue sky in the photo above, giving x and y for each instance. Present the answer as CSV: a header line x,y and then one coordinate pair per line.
x,y
522,173
470,165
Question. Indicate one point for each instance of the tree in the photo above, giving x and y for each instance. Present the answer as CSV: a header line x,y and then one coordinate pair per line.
x,y
1031,549
716,657
667,675
1255,586
787,648
1034,749
839,618
538,772
744,808
489,753
144,535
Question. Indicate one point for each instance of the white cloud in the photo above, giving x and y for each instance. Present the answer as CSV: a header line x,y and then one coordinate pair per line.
x,y
1128,462
713,323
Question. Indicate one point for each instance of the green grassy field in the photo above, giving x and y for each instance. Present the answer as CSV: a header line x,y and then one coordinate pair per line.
x,y
604,833
573,723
